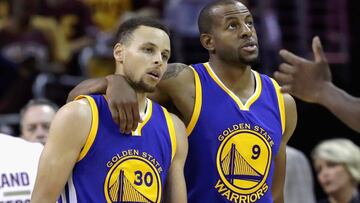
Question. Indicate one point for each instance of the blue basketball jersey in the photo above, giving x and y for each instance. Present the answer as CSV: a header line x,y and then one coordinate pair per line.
x,y
116,167
232,145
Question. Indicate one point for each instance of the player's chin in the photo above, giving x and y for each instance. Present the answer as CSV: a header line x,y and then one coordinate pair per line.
x,y
248,56
149,88
250,60
251,57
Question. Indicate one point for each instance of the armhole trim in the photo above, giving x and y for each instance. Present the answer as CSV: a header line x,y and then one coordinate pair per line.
x,y
198,102
171,129
280,98
94,126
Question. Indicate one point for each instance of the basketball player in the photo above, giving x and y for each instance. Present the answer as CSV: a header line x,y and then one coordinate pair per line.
x,y
310,81
88,156
237,120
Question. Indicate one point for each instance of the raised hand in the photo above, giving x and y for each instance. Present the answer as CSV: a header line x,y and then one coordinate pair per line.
x,y
303,78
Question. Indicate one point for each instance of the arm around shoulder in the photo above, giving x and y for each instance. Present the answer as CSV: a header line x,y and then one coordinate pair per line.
x,y
66,139
290,117
175,189
89,86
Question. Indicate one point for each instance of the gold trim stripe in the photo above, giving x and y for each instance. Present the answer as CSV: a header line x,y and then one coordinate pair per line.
x,y
250,101
94,126
172,134
198,103
280,98
257,92
148,114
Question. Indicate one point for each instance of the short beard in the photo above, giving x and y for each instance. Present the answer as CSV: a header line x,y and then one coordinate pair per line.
x,y
141,87
250,62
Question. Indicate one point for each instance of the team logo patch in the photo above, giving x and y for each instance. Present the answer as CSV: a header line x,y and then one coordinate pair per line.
x,y
133,179
243,162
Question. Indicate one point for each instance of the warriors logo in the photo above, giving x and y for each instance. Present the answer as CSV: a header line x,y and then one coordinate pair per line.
x,y
243,162
133,179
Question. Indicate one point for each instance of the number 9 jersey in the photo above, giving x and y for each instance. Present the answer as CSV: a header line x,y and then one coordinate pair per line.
x,y
232,145
116,167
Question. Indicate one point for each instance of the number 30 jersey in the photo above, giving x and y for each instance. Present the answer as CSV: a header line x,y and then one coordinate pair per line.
x,y
116,167
232,145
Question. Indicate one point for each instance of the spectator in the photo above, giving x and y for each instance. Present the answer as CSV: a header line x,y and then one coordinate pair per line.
x,y
337,164
35,119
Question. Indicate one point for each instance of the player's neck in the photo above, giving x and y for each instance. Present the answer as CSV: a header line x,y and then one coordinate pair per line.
x,y
234,66
142,102
235,77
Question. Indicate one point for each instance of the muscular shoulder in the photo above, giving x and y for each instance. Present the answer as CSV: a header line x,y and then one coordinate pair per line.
x,y
290,115
78,110
290,104
181,138
178,124
180,129
72,120
176,75
175,70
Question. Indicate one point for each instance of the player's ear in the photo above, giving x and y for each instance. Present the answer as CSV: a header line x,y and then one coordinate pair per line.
x,y
118,52
207,42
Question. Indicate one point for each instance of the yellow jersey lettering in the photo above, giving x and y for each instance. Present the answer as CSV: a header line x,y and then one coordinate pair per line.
x,y
240,198
234,197
232,129
220,186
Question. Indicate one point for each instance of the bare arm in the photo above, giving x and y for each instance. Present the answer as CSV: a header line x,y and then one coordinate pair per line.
x,y
280,159
116,82
122,98
59,155
178,86
311,81
89,86
342,105
175,189
123,101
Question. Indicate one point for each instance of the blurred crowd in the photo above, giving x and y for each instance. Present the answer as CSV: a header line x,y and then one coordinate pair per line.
x,y
57,43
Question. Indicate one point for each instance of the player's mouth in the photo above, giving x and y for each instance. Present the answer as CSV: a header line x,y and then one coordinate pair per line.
x,y
249,46
154,74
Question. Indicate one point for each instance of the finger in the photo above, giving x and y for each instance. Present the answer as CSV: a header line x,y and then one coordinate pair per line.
x,y
318,50
285,89
122,119
114,112
136,116
286,68
290,58
282,78
129,119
